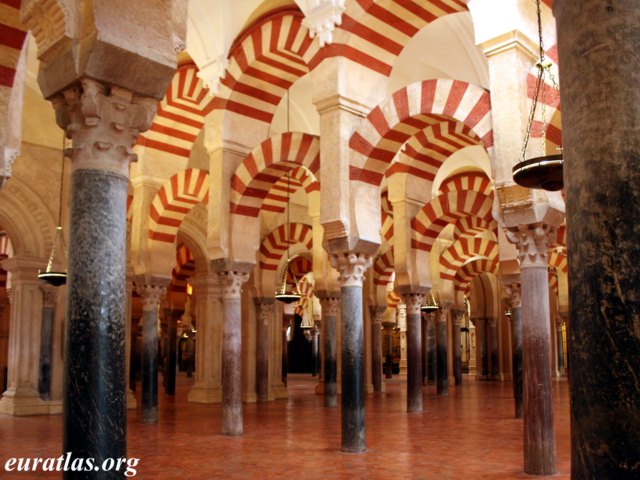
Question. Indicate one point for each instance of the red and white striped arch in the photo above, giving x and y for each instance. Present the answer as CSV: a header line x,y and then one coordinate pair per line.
x,y
174,200
553,280
411,110
386,220
445,209
383,268
12,38
464,249
374,33
561,237
472,269
274,245
393,299
472,226
259,181
264,62
305,287
184,268
475,181
180,114
558,261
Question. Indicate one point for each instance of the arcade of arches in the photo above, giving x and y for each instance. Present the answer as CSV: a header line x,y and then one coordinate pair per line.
x,y
364,147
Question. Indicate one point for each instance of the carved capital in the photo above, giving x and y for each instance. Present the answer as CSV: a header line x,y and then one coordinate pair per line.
x,y
377,313
513,294
351,267
321,20
48,296
103,123
330,306
458,316
413,302
532,242
443,313
232,282
265,308
152,296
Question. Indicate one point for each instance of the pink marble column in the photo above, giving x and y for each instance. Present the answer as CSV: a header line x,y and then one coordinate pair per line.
x,y
442,379
377,314
265,308
539,435
413,301
330,307
515,304
232,282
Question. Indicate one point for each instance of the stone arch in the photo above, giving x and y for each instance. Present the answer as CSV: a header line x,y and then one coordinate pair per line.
x,y
473,268
383,268
276,243
473,225
464,249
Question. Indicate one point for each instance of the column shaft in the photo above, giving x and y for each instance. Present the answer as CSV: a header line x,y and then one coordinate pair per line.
x,y
431,349
516,339
46,346
172,351
457,348
492,337
598,47
330,307
264,317
425,361
414,352
377,312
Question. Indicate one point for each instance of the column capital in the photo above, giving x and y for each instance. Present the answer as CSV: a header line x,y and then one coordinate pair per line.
x,y
152,296
265,308
49,296
513,294
103,123
377,313
443,313
413,301
231,282
330,305
351,267
458,315
532,242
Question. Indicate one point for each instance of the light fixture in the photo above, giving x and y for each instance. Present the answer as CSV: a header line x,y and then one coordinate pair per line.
x,y
507,313
307,319
545,171
56,278
431,305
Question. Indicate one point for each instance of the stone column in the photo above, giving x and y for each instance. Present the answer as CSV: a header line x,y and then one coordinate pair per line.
x,y
598,46
46,339
492,343
172,317
103,124
315,348
560,346
232,282
388,331
423,331
413,301
431,349
352,267
132,403
458,318
208,385
539,436
330,306
152,296
377,314
481,344
23,365
442,380
513,291
265,309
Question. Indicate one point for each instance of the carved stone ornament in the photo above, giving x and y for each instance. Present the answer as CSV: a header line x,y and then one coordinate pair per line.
x,y
443,313
413,302
49,296
321,18
330,306
351,267
533,243
265,309
152,296
103,123
232,282
513,293
377,313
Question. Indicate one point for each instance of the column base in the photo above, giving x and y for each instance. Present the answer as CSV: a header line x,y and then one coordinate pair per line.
x,y
25,403
249,397
279,391
452,381
204,394
320,387
132,403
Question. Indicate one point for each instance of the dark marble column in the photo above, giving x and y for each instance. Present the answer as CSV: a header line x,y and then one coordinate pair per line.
x,y
492,343
351,268
560,346
425,362
431,349
315,348
481,346
388,363
172,350
442,380
46,339
513,292
232,282
330,307
265,308
152,296
103,124
598,46
413,301
539,435
377,314
457,318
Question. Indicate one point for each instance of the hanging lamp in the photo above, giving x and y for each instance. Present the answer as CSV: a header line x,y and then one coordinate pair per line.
x,y
544,171
430,305
283,294
50,276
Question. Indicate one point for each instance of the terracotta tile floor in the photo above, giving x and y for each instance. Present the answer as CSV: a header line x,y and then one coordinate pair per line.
x,y
469,434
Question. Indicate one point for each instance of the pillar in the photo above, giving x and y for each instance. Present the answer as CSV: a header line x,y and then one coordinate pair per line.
x,y
388,336
431,349
352,267
172,350
132,403
442,380
513,291
152,295
103,124
492,343
315,348
377,314
265,309
231,282
330,306
413,301
23,365
598,44
481,344
425,362
46,339
539,434
559,345
458,319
